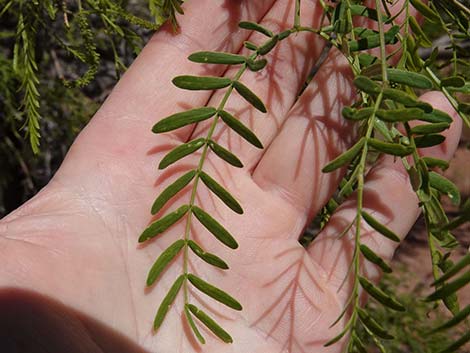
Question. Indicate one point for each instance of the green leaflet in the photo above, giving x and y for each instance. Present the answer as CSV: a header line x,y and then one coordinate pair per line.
x,y
366,85
193,326
196,83
268,46
399,115
163,260
436,162
461,264
252,26
167,301
172,190
188,117
211,259
437,116
445,186
215,228
345,157
249,45
225,154
214,292
429,140
457,319
223,194
425,10
252,98
373,325
379,227
453,81
406,99
409,78
419,33
283,35
163,223
256,65
457,344
355,114
394,149
380,295
213,57
374,258
181,151
210,324
429,128
358,344
373,41
450,288
237,126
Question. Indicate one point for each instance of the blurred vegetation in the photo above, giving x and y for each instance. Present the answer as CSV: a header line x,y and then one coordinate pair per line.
x,y
50,53
411,328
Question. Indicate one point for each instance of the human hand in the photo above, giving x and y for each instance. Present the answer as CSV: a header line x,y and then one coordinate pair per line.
x,y
72,275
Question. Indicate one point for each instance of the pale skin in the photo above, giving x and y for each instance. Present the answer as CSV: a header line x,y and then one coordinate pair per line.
x,y
72,273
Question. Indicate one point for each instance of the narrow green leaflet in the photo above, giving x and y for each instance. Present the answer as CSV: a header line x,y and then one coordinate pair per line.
x,y
380,295
429,128
215,228
249,45
450,288
163,260
193,326
167,301
445,186
252,98
453,81
423,39
210,324
374,258
211,259
425,10
437,116
373,41
188,117
457,344
223,194
225,154
373,325
366,85
213,57
436,162
268,46
461,264
252,26
172,190
379,227
256,65
409,78
355,114
464,108
214,292
429,140
360,10
406,99
345,157
457,319
399,115
196,83
394,149
163,223
237,126
181,151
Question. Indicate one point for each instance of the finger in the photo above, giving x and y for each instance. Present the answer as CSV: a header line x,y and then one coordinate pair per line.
x,y
389,197
145,93
314,133
277,85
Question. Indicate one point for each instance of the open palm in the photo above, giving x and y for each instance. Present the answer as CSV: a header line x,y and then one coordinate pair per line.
x,y
72,275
